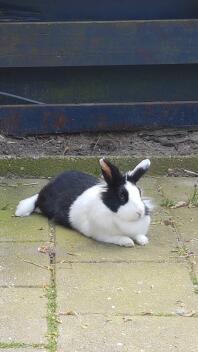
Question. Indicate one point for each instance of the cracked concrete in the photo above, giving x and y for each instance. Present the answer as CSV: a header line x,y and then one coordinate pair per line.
x,y
76,294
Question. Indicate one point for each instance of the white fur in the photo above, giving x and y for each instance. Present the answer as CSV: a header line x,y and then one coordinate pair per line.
x,y
149,203
26,206
134,208
144,164
90,216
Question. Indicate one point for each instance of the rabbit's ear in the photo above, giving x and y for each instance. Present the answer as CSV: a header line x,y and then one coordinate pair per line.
x,y
110,172
139,171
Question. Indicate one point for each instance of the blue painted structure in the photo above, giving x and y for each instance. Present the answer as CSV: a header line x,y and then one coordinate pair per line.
x,y
94,10
75,54
99,43
29,119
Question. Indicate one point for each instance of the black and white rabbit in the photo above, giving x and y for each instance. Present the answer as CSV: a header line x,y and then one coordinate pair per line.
x,y
109,210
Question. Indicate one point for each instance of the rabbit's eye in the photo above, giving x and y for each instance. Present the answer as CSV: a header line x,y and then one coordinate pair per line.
x,y
123,195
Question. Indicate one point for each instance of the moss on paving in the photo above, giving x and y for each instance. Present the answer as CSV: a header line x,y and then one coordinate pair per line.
x,y
51,166
16,344
52,323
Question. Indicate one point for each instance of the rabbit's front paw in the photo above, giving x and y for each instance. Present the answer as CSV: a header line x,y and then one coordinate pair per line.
x,y
142,240
126,242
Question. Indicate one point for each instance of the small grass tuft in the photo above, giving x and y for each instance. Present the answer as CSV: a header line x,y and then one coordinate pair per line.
x,y
194,280
182,251
196,290
167,203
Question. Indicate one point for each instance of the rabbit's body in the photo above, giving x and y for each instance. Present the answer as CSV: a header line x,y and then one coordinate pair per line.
x,y
110,211
57,197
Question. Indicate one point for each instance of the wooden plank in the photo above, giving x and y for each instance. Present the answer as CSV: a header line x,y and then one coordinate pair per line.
x,y
61,10
31,119
98,43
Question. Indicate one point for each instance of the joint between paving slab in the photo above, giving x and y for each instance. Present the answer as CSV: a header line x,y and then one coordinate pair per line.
x,y
21,286
17,344
132,261
133,315
182,250
193,275
22,241
162,194
52,322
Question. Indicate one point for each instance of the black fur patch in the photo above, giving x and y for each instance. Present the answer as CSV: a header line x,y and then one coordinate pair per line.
x,y
114,197
137,175
147,210
56,198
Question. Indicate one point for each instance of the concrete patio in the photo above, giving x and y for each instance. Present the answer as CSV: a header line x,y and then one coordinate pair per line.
x,y
61,291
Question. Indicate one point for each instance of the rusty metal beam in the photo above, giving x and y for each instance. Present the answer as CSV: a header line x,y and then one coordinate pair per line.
x,y
31,119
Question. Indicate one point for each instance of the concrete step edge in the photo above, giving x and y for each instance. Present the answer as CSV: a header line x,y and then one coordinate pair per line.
x,y
49,166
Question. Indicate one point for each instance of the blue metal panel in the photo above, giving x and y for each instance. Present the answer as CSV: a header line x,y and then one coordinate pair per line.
x,y
27,120
116,84
98,43
119,41
64,10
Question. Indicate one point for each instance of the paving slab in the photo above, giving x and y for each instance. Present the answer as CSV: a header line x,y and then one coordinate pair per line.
x,y
22,265
185,218
177,188
124,297
13,190
186,222
23,312
127,334
30,228
122,288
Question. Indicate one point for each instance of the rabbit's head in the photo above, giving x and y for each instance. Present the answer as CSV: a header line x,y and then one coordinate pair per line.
x,y
121,194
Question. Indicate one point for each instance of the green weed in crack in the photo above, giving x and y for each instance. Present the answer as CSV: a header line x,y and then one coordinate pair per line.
x,y
193,276
193,199
52,318
52,323
15,344
167,203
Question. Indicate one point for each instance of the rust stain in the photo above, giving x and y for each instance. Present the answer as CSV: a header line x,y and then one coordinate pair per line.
x,y
11,123
46,119
144,54
61,121
102,122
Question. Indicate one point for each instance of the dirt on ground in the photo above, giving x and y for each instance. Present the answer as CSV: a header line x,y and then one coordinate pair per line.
x,y
164,142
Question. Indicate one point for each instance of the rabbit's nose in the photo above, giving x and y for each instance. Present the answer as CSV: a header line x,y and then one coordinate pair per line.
x,y
139,213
